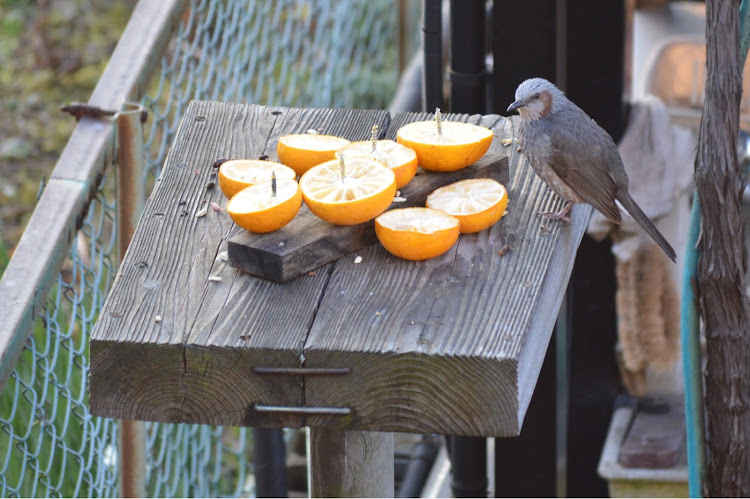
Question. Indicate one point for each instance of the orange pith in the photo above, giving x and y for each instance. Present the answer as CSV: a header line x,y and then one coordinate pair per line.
x,y
477,203
257,209
304,150
456,146
416,233
236,174
364,191
399,158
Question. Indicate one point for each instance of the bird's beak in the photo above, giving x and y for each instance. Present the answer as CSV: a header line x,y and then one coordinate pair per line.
x,y
516,105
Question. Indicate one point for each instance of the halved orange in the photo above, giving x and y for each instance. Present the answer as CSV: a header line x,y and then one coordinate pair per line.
x,y
477,203
445,146
399,158
357,192
304,150
261,208
236,174
416,233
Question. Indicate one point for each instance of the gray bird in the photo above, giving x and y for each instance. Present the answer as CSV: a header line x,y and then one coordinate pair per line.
x,y
575,157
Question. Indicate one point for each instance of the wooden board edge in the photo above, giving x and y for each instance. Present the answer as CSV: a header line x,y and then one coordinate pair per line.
x,y
403,393
150,382
535,346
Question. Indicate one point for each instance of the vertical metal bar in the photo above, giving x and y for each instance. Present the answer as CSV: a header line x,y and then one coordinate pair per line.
x,y
130,201
469,465
432,36
468,74
269,459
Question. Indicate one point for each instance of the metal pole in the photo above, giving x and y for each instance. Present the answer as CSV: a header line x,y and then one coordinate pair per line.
x,y
350,463
432,31
469,465
269,458
468,72
130,201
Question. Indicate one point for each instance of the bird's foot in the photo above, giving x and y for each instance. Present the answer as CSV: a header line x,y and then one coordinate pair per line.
x,y
560,215
551,215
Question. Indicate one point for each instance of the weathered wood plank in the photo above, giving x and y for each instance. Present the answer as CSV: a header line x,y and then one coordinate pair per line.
x,y
446,345
451,345
156,338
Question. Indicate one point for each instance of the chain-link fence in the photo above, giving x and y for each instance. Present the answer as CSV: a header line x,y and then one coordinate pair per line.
x,y
315,53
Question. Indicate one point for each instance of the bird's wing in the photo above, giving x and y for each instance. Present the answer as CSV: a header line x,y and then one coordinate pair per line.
x,y
581,155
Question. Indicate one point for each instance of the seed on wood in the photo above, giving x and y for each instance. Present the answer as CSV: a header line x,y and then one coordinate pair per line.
x,y
223,256
214,278
201,213
157,319
504,250
358,259
216,207
244,337
210,185
311,274
399,199
219,162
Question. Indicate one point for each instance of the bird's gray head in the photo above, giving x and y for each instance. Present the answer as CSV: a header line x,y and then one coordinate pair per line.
x,y
536,98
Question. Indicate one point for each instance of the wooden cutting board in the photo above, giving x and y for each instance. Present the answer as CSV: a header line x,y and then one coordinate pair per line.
x,y
308,242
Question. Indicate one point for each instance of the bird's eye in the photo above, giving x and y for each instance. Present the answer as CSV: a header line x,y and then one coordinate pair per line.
x,y
535,96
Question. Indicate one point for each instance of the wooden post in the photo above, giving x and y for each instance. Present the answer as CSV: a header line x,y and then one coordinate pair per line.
x,y
350,463
130,201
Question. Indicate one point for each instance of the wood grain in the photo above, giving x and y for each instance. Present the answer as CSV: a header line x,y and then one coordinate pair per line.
x,y
437,346
351,464
179,319
451,345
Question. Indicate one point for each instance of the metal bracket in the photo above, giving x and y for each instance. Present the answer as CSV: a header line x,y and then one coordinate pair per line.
x,y
302,371
334,411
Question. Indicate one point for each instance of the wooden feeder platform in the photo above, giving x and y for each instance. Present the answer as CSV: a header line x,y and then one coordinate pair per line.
x,y
451,345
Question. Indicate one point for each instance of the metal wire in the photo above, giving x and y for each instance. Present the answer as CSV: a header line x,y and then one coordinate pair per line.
x,y
49,443
314,53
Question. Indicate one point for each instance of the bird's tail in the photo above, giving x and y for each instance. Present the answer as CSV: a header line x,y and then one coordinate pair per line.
x,y
635,211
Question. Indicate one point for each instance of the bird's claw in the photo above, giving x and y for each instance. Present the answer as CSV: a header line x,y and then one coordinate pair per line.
x,y
551,215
